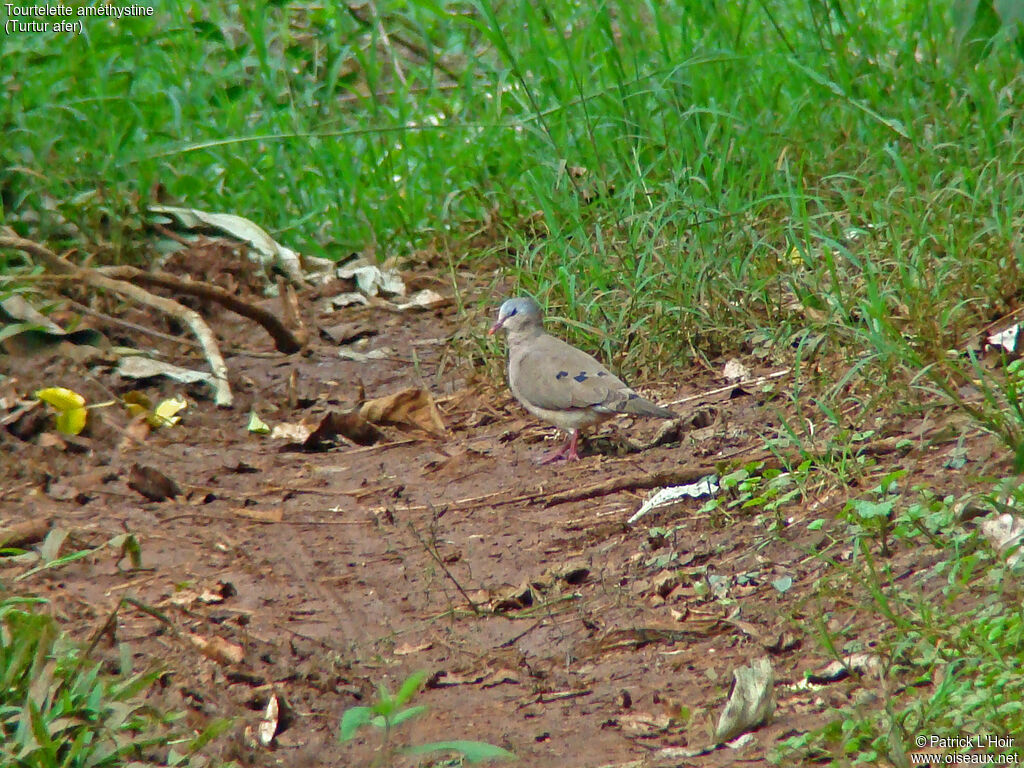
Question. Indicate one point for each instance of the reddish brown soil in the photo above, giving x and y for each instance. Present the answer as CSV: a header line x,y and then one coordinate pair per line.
x,y
356,566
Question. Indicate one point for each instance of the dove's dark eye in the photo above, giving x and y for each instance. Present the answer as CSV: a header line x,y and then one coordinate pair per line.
x,y
513,311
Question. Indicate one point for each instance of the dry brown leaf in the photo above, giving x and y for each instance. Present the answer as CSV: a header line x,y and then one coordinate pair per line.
x,y
26,532
572,572
679,615
413,407
218,594
185,597
152,483
664,582
347,333
350,425
746,628
515,599
51,440
136,432
218,649
783,642
644,724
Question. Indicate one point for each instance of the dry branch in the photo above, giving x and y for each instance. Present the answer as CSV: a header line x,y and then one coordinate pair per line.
x,y
284,339
60,265
636,482
290,309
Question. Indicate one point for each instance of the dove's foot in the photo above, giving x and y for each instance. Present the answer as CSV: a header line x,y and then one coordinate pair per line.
x,y
568,452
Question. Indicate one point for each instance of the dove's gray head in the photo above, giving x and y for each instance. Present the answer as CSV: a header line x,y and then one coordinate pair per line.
x,y
517,315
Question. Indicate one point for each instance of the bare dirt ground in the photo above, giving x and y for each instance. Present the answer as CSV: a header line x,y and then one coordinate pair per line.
x,y
555,630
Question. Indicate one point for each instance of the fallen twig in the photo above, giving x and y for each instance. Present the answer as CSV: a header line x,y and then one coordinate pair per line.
x,y
646,480
285,341
131,326
415,48
729,387
60,265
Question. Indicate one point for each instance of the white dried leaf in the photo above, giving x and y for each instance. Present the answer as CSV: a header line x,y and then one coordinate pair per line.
x,y
372,280
347,353
138,367
1005,532
856,663
348,299
1007,338
706,486
735,371
268,725
740,742
18,309
424,299
751,700
271,253
293,433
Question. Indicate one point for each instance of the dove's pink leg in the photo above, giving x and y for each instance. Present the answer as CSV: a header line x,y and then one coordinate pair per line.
x,y
569,451
573,455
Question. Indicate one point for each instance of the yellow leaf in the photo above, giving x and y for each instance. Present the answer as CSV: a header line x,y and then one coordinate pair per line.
x,y
257,425
165,414
71,412
71,421
136,402
60,398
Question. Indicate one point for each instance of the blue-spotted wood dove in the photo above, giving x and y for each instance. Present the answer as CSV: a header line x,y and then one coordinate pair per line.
x,y
559,383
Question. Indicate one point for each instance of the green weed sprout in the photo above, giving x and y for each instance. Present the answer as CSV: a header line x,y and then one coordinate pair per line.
x,y
390,710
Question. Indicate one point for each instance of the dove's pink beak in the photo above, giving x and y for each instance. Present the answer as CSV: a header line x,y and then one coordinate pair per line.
x,y
495,328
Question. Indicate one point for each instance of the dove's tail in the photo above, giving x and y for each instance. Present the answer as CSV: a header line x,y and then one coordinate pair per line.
x,y
635,405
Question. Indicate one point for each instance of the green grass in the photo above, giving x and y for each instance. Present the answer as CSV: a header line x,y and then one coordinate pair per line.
x,y
950,645
827,184
728,151
948,641
59,708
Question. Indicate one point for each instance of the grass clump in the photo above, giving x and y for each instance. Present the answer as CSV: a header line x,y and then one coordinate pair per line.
x,y
58,708
946,659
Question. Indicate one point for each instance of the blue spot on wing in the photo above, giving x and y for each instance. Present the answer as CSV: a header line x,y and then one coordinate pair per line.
x,y
561,375
602,373
633,396
581,376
